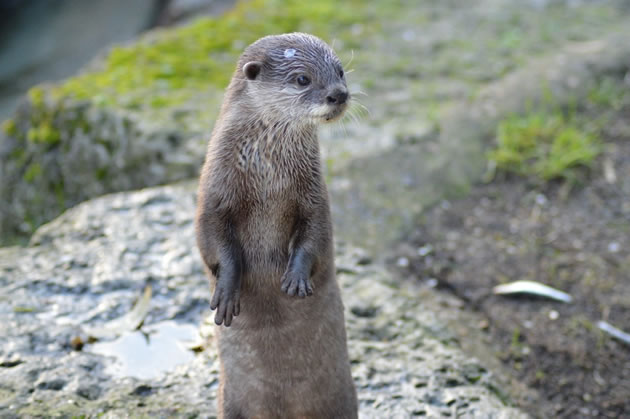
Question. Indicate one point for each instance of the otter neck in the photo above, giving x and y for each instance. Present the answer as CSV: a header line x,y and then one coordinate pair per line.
x,y
267,149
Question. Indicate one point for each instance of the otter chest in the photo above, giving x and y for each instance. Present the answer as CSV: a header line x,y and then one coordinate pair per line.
x,y
273,168
271,193
265,231
276,169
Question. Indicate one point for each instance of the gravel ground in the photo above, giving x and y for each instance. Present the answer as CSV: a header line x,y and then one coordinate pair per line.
x,y
575,240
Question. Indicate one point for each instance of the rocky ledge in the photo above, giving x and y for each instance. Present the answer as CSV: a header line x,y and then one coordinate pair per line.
x,y
82,272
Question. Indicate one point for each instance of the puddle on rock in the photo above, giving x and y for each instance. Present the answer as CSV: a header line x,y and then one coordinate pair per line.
x,y
149,353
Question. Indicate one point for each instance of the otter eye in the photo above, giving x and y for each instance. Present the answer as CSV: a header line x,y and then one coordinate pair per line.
x,y
303,80
341,73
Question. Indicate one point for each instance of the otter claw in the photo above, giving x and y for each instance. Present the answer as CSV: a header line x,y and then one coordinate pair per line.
x,y
295,284
227,304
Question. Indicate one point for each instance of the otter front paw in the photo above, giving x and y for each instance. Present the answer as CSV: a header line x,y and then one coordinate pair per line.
x,y
296,283
226,300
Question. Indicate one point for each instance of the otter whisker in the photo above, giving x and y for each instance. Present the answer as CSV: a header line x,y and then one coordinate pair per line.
x,y
352,114
359,107
351,58
358,92
343,127
356,116
356,113
362,106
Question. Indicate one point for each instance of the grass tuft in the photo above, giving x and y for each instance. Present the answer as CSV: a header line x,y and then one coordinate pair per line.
x,y
545,146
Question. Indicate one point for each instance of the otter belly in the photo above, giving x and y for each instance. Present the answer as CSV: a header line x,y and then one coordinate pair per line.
x,y
265,234
291,364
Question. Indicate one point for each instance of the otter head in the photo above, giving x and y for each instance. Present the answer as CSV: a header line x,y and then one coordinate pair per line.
x,y
294,76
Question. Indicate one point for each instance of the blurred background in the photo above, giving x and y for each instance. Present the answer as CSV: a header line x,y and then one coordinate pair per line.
x,y
48,40
480,190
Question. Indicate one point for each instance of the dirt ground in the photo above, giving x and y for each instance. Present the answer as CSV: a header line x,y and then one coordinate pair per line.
x,y
576,240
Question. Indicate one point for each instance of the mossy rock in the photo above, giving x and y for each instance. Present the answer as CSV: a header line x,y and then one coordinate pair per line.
x,y
139,115
57,152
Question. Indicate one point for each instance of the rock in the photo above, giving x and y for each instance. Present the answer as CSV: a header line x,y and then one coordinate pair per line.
x,y
86,268
83,151
125,122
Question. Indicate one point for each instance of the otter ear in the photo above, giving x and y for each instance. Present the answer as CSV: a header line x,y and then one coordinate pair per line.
x,y
252,69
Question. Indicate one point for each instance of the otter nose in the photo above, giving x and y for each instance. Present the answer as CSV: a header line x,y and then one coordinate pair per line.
x,y
337,97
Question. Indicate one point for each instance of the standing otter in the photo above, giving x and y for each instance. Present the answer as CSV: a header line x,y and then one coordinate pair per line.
x,y
265,235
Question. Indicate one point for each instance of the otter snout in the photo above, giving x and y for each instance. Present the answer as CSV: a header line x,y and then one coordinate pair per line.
x,y
338,96
336,102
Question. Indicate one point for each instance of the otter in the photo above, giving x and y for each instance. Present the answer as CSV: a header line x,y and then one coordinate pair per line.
x,y
264,232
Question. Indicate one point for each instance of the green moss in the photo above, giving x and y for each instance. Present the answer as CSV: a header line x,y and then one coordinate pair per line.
x,y
19,156
543,145
608,93
511,39
9,127
33,172
60,195
516,339
43,133
22,309
175,64
101,173
37,96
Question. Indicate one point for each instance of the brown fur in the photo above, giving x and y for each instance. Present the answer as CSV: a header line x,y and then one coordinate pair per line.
x,y
265,235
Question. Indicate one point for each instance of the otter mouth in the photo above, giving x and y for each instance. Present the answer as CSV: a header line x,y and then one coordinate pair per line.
x,y
334,113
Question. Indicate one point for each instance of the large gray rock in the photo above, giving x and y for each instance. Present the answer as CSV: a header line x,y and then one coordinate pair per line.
x,y
86,151
84,270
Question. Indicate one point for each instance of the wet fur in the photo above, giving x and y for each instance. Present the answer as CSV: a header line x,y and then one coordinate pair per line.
x,y
264,232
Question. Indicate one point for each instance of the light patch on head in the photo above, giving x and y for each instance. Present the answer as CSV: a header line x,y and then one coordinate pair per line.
x,y
289,53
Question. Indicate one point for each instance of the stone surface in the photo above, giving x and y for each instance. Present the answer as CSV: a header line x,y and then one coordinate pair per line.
x,y
94,151
85,269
